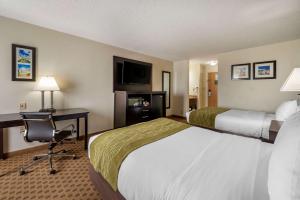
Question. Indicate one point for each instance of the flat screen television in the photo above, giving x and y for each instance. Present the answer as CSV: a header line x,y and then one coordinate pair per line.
x,y
132,75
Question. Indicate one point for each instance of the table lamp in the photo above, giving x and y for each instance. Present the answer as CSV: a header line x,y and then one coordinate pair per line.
x,y
47,83
292,83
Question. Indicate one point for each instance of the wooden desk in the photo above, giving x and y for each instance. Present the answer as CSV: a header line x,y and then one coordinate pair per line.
x,y
14,119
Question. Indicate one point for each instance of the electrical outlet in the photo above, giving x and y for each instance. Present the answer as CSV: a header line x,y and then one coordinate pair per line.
x,y
22,129
22,106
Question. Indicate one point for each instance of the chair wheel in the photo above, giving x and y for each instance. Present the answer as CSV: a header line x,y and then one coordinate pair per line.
x,y
64,151
75,157
52,171
22,172
35,158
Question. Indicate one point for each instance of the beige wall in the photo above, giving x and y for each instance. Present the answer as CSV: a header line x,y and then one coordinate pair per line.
x,y
258,94
203,86
210,68
83,69
181,87
194,78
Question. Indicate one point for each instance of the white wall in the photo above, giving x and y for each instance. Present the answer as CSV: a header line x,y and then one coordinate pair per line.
x,y
181,87
83,69
211,68
194,78
258,94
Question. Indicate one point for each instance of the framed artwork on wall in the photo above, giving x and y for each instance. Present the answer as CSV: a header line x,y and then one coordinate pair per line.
x,y
264,70
166,87
23,63
241,71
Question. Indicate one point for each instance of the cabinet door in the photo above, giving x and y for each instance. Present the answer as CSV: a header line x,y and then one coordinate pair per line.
x,y
137,114
158,106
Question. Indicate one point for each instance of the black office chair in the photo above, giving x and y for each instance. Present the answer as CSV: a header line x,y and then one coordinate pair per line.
x,y
40,127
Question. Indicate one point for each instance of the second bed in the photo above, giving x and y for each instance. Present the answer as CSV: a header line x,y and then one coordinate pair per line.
x,y
245,122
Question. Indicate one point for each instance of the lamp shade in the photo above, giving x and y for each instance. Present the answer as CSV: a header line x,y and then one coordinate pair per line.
x,y
292,83
47,83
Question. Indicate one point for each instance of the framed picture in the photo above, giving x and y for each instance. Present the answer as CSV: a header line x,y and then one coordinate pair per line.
x,y
166,87
241,71
23,63
264,70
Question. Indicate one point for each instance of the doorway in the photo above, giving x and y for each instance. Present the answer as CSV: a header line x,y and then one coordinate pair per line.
x,y
203,84
212,89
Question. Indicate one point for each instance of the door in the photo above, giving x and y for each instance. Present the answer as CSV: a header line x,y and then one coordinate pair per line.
x,y
212,89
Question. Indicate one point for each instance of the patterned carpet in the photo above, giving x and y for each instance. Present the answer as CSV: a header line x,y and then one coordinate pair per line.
x,y
70,182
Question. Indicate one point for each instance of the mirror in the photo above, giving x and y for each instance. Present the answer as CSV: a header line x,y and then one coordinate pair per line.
x,y
166,87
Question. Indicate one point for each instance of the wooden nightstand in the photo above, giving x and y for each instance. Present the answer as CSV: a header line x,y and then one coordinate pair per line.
x,y
274,129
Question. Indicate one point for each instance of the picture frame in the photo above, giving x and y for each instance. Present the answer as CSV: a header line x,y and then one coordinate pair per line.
x,y
166,87
241,71
264,70
23,63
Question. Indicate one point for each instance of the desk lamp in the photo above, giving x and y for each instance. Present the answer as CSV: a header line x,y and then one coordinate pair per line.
x,y
47,83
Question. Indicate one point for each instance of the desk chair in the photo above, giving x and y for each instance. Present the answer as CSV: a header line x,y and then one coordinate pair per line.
x,y
40,127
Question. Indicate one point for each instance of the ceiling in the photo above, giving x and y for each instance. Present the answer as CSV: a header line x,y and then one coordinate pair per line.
x,y
169,29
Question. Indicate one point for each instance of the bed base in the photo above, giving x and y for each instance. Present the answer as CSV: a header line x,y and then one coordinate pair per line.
x,y
231,133
107,193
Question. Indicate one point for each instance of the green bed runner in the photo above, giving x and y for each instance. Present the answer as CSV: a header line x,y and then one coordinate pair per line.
x,y
108,151
205,116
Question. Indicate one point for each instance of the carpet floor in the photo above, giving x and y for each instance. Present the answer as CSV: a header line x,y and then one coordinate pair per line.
x,y
70,182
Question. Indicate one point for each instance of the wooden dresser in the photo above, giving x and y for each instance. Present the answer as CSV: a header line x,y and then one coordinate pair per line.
x,y
133,107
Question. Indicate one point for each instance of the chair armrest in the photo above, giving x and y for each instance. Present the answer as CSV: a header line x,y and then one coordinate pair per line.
x,y
65,128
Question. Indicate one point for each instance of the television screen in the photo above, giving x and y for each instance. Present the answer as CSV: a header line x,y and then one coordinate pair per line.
x,y
134,73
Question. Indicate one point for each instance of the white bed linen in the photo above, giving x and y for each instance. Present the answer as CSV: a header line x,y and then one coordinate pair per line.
x,y
187,115
261,181
250,123
196,164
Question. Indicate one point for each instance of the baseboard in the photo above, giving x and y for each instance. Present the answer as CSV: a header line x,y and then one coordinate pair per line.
x,y
40,147
23,151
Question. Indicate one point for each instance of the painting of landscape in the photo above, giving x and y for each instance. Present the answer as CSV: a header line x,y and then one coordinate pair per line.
x,y
240,71
24,63
264,70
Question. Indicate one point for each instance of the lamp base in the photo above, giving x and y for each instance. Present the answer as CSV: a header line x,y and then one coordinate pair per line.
x,y
52,110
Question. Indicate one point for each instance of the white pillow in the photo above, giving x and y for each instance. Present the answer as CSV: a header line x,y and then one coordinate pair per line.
x,y
284,166
286,109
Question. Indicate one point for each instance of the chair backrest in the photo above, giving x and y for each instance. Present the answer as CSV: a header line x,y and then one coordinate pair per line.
x,y
39,126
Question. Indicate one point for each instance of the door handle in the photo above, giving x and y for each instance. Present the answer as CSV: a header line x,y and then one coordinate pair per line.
x,y
209,93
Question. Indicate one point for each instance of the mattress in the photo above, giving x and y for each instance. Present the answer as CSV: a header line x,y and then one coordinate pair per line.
x,y
249,123
195,164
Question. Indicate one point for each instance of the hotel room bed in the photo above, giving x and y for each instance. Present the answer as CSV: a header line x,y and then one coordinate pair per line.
x,y
194,163
245,122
